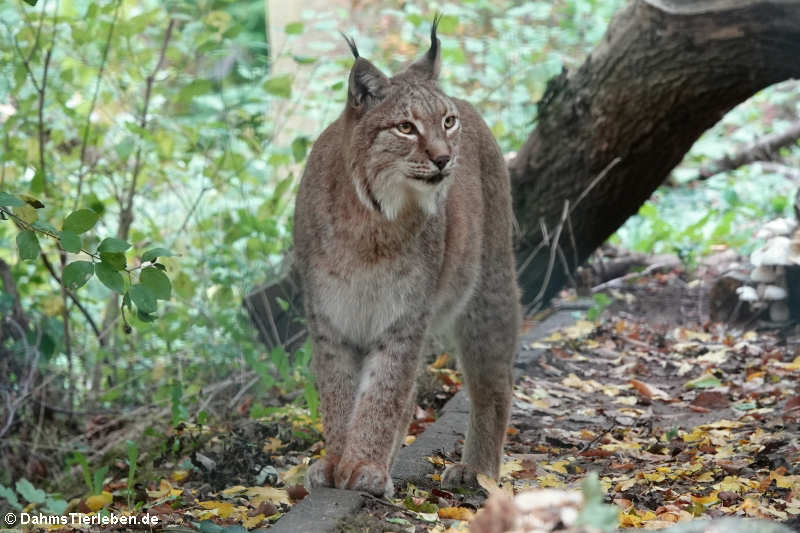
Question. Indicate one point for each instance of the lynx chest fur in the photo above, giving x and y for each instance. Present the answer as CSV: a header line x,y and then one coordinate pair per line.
x,y
403,229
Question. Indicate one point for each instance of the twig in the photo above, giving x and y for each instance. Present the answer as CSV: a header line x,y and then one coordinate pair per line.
x,y
552,259
143,121
778,168
87,126
25,383
72,296
42,94
617,282
597,438
762,149
233,401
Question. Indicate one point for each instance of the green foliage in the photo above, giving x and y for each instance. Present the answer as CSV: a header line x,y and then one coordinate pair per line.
x,y
601,301
47,503
595,513
92,478
726,210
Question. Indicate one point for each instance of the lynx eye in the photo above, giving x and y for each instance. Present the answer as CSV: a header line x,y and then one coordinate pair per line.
x,y
406,128
449,121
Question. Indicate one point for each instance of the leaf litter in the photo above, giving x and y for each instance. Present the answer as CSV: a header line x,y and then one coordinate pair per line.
x,y
678,421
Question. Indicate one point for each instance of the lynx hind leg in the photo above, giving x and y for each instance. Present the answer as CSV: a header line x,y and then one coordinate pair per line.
x,y
336,369
487,342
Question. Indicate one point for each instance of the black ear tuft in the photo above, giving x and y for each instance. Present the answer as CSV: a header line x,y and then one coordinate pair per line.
x,y
434,49
352,44
428,66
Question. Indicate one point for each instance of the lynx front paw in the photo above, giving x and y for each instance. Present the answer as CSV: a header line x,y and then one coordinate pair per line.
x,y
364,476
320,474
459,475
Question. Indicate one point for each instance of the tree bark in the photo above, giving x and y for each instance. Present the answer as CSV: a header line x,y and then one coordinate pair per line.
x,y
608,134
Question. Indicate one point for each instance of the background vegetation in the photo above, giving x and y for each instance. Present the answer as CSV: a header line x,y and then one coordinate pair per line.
x,y
170,124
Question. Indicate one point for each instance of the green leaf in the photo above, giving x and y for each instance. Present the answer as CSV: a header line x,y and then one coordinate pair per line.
x,y
304,60
76,274
706,381
80,221
294,28
28,245
10,496
145,317
97,479
155,253
113,245
195,88
300,148
31,2
157,282
115,259
143,297
70,241
280,86
54,506
9,200
448,24
29,492
109,277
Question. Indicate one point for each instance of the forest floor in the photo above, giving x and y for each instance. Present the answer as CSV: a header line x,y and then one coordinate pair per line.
x,y
680,418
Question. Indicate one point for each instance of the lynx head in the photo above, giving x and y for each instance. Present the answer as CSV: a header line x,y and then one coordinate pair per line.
x,y
403,134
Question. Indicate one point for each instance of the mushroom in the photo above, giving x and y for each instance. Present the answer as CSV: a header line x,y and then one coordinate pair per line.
x,y
775,252
779,226
747,293
765,273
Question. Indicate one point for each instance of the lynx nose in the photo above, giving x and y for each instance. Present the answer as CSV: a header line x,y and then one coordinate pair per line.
x,y
441,161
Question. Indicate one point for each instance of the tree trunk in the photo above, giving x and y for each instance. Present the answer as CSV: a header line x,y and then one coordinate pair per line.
x,y
608,134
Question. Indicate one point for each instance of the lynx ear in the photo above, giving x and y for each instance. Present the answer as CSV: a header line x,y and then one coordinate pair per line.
x,y
367,84
428,65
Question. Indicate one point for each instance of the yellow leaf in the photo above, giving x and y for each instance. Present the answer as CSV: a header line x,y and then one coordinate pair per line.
x,y
98,501
222,509
179,475
515,465
259,495
731,484
436,460
706,500
409,439
557,466
722,424
233,491
550,481
164,490
295,474
250,522
456,513
581,328
705,477
273,445
441,360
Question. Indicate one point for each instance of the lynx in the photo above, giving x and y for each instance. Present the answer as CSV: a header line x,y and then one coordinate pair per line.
x,y
402,232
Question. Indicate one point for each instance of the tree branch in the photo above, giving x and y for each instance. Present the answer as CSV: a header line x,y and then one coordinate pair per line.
x,y
87,126
763,149
49,266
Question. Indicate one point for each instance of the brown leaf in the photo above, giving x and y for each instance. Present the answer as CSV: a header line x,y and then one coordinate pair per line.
x,y
649,391
297,492
711,400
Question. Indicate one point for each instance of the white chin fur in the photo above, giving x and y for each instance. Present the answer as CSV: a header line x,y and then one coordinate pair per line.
x,y
393,191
